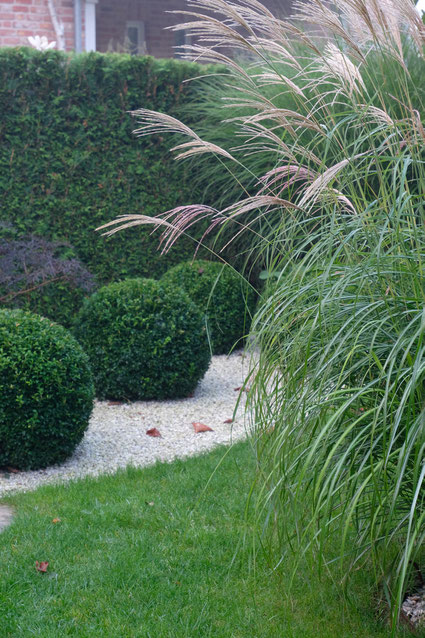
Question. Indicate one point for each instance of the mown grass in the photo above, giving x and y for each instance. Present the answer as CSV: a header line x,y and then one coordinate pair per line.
x,y
160,552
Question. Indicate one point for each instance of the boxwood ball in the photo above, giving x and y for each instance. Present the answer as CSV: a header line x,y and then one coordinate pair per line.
x,y
223,296
46,391
144,339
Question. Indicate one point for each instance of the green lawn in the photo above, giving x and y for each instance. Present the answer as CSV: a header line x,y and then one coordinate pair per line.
x,y
121,566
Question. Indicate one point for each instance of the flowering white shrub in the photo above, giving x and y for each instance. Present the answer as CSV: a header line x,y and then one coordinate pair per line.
x,y
41,43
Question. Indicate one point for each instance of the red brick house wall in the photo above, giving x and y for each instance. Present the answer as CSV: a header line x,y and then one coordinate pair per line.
x,y
111,20
112,16
22,18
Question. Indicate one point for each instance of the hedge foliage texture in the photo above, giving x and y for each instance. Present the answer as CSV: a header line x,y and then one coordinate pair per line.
x,y
69,161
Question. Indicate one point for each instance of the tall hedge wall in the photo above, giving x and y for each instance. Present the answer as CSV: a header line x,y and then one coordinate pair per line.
x,y
69,161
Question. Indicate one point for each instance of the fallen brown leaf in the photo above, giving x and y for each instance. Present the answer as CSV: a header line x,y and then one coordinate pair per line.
x,y
201,427
228,421
153,432
42,566
56,520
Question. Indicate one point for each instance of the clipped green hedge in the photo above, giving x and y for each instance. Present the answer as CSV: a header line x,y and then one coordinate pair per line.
x,y
145,340
69,161
222,295
46,391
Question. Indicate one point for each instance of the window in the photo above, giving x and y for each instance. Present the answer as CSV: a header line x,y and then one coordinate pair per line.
x,y
181,38
135,42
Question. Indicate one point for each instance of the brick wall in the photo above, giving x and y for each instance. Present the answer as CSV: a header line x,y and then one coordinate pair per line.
x,y
111,18
112,15
22,18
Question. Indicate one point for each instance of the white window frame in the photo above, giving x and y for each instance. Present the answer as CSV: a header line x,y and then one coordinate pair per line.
x,y
90,25
141,35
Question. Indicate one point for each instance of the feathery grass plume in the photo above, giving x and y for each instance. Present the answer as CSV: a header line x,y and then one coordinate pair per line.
x,y
314,191
360,23
184,217
268,78
287,119
377,115
316,143
286,176
336,64
155,123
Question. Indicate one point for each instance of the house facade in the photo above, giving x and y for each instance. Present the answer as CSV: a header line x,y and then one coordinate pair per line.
x,y
135,26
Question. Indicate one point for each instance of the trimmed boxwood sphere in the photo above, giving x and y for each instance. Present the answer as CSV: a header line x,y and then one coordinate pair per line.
x,y
46,391
145,340
221,294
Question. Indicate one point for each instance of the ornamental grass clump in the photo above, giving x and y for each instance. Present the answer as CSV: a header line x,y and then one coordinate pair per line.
x,y
221,294
46,391
328,162
144,339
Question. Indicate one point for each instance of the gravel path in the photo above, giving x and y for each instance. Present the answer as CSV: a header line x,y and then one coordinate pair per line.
x,y
117,437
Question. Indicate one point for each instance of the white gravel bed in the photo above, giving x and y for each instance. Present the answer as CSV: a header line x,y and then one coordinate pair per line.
x,y
117,437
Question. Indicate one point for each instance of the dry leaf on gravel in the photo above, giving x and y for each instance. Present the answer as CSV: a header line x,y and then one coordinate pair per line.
x,y
153,432
201,427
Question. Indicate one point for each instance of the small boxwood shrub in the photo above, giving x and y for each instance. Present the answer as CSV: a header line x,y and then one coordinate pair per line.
x,y
221,294
144,339
46,391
